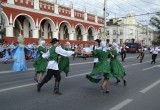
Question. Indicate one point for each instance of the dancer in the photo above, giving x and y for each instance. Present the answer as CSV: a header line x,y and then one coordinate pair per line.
x,y
95,47
141,54
117,68
40,63
101,68
123,51
154,51
6,56
64,61
19,56
52,66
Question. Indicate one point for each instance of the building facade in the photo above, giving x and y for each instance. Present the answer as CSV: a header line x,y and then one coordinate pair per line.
x,y
123,29
36,19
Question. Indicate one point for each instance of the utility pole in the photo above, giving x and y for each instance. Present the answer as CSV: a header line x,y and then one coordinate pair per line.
x,y
105,17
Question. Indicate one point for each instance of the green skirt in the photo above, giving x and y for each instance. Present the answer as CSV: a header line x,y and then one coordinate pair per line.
x,y
40,65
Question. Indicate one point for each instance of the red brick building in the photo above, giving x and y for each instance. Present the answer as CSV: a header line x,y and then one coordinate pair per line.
x,y
35,19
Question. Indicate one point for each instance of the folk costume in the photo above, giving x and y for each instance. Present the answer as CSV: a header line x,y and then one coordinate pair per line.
x,y
123,52
18,55
6,55
117,68
40,63
52,66
64,62
141,54
101,68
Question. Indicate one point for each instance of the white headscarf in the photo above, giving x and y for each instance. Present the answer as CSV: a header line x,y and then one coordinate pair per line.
x,y
41,42
103,44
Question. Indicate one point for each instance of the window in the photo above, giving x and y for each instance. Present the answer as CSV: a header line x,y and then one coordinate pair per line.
x,y
121,41
121,31
114,40
114,32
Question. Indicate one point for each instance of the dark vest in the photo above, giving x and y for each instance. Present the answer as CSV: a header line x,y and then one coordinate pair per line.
x,y
53,54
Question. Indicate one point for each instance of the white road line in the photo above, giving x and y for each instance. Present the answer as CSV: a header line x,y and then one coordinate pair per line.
x,y
29,69
77,75
150,67
7,89
31,84
150,87
122,104
11,88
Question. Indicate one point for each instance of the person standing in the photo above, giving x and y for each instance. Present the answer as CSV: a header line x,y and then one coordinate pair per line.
x,y
52,66
40,63
154,51
18,55
123,52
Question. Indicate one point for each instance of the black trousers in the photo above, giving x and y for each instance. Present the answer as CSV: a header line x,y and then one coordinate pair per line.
x,y
123,55
50,74
154,56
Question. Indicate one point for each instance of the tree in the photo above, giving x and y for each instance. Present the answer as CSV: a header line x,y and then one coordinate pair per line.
x,y
155,22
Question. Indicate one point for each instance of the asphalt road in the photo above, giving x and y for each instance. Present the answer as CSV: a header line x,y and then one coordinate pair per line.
x,y
18,90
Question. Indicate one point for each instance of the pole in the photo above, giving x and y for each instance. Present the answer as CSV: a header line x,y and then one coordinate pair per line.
x,y
105,17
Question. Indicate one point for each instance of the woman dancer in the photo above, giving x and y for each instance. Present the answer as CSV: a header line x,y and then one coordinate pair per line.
x,y
101,68
117,69
19,56
40,63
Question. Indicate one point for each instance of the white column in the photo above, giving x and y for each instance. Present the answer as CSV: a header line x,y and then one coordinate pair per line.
x,y
35,33
10,1
72,13
9,31
56,11
96,19
85,37
55,34
71,36
36,4
85,16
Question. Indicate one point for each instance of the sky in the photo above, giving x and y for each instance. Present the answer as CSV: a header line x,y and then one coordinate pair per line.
x,y
117,8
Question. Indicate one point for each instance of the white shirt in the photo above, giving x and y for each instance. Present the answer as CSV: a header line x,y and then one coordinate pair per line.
x,y
54,64
155,50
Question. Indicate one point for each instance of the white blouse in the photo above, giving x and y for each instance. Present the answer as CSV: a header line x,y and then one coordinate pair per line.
x,y
54,64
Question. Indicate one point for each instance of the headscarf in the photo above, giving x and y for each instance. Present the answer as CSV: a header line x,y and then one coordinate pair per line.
x,y
20,39
41,42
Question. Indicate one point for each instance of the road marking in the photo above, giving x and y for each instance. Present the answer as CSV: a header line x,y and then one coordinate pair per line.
x,y
151,67
77,75
138,63
150,87
122,104
7,89
29,69
11,88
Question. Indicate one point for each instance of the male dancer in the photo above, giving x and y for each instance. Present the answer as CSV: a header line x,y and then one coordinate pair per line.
x,y
52,66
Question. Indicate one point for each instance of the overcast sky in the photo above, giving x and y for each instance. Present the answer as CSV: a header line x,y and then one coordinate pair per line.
x,y
116,8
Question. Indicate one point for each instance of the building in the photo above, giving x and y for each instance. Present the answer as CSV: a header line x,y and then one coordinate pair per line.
x,y
122,29
36,19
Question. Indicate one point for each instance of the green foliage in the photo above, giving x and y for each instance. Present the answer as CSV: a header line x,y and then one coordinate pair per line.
x,y
155,22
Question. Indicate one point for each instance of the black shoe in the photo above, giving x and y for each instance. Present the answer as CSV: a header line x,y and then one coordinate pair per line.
x,y
58,93
124,82
107,91
38,87
35,79
151,62
117,81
